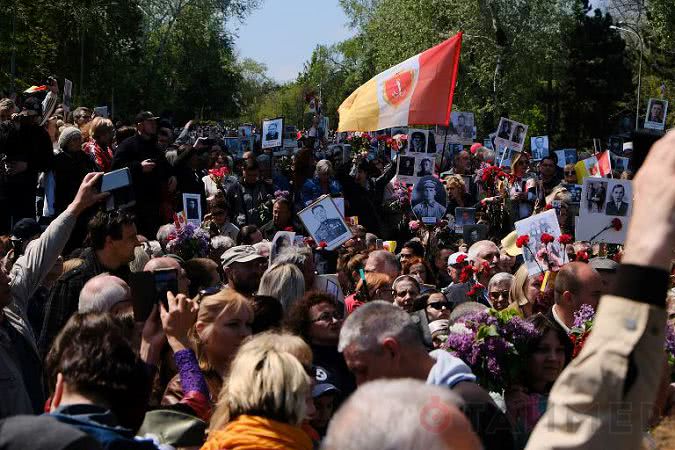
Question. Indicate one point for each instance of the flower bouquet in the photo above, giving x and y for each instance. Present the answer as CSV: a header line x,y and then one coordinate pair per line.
x,y
583,323
217,175
492,343
188,241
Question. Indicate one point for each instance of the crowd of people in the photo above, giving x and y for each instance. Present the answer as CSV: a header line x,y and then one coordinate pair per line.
x,y
298,346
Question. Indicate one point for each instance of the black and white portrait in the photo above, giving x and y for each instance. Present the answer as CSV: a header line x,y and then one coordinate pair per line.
x,y
511,134
192,207
417,141
272,132
474,233
406,166
461,127
464,216
539,147
281,241
618,200
566,156
595,195
324,222
575,192
616,145
519,134
657,111
429,199
534,227
425,167
503,156
505,129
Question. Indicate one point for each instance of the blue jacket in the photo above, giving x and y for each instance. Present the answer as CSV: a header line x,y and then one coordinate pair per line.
x,y
101,424
311,190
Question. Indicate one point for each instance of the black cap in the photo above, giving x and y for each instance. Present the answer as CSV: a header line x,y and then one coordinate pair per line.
x,y
145,115
25,229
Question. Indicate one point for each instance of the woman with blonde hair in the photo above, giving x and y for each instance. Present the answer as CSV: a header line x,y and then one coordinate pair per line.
x,y
266,396
223,322
283,281
457,195
525,294
99,146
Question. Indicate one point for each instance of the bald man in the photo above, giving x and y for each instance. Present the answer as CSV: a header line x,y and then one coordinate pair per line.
x,y
105,293
170,263
382,261
576,284
403,413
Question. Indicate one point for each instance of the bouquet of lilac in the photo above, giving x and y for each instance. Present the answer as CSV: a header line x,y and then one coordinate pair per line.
x,y
188,242
492,343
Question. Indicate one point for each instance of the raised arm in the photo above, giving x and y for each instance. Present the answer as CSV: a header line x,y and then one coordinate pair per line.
x,y
603,399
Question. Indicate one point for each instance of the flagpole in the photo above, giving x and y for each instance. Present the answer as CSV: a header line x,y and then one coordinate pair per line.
x,y
445,140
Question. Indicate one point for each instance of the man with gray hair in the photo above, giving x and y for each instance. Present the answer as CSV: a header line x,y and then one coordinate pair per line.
x,y
380,340
382,261
483,256
303,259
105,293
403,415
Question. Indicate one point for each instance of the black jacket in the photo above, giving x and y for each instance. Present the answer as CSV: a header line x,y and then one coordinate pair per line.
x,y
65,295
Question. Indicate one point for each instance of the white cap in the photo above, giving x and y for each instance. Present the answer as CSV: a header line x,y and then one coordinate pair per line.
x,y
452,259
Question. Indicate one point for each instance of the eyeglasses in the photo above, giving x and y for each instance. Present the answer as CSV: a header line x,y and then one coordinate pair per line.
x,y
384,291
496,294
328,316
440,305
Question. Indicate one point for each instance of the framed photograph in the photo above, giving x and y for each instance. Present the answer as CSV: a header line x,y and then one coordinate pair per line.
x,y
418,141
593,196
474,233
503,156
575,192
566,156
429,199
615,145
534,227
281,241
405,171
324,223
539,147
272,132
620,163
424,166
657,111
616,205
192,208
461,128
487,143
511,134
464,216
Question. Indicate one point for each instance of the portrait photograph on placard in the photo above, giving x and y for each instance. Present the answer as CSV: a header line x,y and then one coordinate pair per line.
x,y
405,169
503,156
474,233
464,216
566,156
324,223
272,132
575,192
424,166
281,241
429,199
657,111
615,145
611,224
511,134
593,196
541,256
539,147
192,206
461,127
418,140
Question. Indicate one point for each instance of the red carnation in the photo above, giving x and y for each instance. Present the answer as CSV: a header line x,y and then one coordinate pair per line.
x,y
565,239
548,206
322,244
461,259
522,241
581,256
547,238
466,274
617,224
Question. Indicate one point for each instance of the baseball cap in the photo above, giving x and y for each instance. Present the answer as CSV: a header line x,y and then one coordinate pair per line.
x,y
239,254
603,264
145,115
452,259
325,382
25,229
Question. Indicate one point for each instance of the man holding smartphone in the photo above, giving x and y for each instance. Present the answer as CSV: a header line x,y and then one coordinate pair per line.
x,y
151,174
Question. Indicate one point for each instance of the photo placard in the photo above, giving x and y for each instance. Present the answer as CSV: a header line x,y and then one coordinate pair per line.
x,y
657,110
429,199
540,256
192,209
272,132
511,134
324,223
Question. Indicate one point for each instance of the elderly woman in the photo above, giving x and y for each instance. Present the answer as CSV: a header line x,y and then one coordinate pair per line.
x,y
406,290
498,290
324,182
266,397
99,146
317,319
283,281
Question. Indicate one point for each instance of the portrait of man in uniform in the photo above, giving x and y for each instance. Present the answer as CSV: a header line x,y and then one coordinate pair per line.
x,y
429,200
328,229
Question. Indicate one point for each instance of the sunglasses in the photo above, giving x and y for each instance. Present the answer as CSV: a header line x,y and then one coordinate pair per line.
x,y
496,294
328,316
440,305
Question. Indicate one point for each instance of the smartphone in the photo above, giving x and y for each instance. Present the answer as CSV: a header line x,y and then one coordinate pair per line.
x,y
142,287
115,180
379,244
165,280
